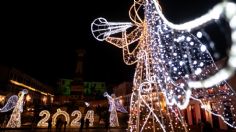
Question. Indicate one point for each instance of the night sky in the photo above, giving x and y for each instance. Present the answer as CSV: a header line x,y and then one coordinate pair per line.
x,y
41,38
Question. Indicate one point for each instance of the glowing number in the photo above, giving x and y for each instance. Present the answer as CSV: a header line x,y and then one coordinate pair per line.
x,y
43,121
75,122
60,112
90,115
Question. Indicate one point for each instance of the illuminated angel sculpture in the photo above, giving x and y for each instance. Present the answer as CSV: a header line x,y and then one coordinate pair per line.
x,y
15,102
169,58
114,106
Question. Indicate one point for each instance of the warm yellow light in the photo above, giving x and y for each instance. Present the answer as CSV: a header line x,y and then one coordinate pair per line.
x,y
52,99
75,122
43,121
2,98
44,99
30,88
28,98
90,115
60,112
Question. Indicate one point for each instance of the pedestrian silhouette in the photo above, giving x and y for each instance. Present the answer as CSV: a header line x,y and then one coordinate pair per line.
x,y
81,124
50,125
107,122
65,123
58,125
87,124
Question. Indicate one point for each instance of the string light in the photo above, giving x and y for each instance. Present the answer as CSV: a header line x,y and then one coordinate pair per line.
x,y
168,59
75,122
90,116
60,112
43,122
30,88
114,106
15,119
11,103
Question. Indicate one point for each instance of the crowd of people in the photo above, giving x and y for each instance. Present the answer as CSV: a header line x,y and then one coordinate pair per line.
x,y
60,124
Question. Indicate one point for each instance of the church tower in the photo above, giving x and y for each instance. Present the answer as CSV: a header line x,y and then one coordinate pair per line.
x,y
80,65
77,88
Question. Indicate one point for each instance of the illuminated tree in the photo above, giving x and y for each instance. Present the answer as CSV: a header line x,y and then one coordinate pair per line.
x,y
168,59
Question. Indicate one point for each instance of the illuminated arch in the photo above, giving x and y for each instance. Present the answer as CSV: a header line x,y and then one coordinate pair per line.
x,y
60,112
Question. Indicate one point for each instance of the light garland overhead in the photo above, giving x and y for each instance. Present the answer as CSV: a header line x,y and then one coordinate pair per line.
x,y
169,59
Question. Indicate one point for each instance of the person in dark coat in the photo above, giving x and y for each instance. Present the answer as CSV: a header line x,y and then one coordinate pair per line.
x,y
81,124
58,124
107,122
50,125
65,123
87,124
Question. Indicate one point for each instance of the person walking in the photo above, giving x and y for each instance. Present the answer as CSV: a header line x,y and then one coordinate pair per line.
x,y
81,124
65,123
107,123
87,124
50,125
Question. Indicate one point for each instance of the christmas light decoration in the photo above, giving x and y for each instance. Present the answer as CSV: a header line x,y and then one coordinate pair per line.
x,y
11,103
168,60
43,122
114,106
87,104
60,112
15,119
90,115
75,122
30,88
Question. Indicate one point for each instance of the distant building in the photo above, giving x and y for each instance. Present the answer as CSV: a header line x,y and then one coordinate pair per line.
x,y
63,91
193,113
12,81
77,85
82,90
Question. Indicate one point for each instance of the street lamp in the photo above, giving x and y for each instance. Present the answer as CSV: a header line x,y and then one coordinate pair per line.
x,y
2,99
28,98
44,99
52,99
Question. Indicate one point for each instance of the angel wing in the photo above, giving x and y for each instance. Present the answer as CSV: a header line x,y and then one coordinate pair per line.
x,y
120,107
11,103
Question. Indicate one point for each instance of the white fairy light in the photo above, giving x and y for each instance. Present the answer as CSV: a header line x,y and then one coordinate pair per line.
x,y
87,104
167,57
11,103
198,71
75,122
203,48
101,33
199,34
90,116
